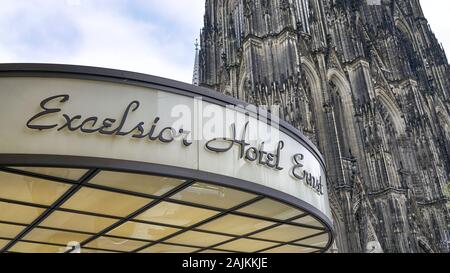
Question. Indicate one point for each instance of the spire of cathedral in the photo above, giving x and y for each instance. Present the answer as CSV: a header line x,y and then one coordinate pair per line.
x,y
195,77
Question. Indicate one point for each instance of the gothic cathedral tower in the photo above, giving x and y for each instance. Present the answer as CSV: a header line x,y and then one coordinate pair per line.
x,y
368,82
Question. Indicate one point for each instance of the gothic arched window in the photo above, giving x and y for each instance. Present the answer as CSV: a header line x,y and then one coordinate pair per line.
x,y
340,121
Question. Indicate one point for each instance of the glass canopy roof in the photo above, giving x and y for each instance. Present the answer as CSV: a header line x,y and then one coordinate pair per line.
x,y
43,210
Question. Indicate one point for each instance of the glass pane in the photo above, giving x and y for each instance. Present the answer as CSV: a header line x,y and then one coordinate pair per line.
x,y
153,185
290,249
116,244
71,174
77,222
309,220
105,202
246,245
18,213
318,241
24,247
142,231
164,248
214,196
235,225
174,214
3,243
200,239
285,233
94,251
213,251
29,189
10,231
272,209
54,237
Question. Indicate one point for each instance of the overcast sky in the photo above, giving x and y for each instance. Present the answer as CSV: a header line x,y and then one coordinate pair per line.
x,y
149,36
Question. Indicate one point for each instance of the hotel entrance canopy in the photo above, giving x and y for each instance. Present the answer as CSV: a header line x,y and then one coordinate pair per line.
x,y
115,161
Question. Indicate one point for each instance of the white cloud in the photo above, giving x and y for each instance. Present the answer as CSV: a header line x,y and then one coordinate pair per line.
x,y
102,33
184,12
111,40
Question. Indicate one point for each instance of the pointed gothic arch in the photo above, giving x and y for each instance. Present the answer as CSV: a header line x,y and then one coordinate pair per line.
x,y
403,27
316,92
338,77
242,83
344,112
408,43
314,81
393,110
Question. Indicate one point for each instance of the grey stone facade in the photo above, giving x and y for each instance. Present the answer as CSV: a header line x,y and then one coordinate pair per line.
x,y
368,82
